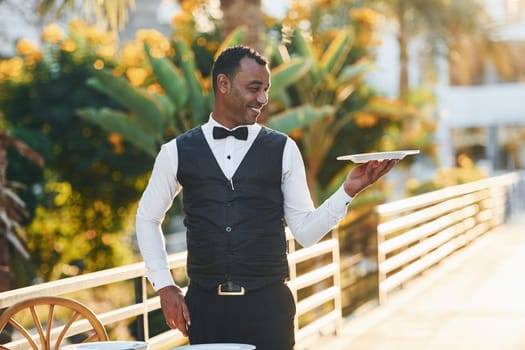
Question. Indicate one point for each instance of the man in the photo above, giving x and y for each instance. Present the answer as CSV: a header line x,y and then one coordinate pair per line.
x,y
240,181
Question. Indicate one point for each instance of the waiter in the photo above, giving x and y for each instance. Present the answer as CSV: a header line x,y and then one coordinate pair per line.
x,y
240,183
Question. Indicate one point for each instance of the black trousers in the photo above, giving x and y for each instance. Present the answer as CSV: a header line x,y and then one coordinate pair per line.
x,y
264,317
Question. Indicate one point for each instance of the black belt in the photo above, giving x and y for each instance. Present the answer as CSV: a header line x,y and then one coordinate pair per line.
x,y
230,288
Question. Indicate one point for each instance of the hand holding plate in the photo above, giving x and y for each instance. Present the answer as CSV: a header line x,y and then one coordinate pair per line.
x,y
366,174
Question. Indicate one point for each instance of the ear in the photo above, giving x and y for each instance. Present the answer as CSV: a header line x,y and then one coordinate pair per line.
x,y
223,83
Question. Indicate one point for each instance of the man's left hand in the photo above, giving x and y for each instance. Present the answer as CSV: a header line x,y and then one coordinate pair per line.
x,y
366,174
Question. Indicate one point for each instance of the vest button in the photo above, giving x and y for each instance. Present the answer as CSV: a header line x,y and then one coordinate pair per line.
x,y
228,229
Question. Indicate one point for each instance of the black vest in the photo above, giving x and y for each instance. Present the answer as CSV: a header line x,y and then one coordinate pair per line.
x,y
235,229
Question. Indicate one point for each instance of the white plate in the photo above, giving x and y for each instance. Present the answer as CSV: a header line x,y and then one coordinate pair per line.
x,y
216,346
365,157
108,345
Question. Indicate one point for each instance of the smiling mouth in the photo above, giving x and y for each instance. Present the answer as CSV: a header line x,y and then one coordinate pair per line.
x,y
256,109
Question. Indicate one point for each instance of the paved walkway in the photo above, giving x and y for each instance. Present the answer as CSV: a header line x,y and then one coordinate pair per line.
x,y
473,300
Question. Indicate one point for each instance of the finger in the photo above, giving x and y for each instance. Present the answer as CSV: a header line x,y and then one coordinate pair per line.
x,y
181,326
371,171
380,169
178,323
388,166
186,314
171,324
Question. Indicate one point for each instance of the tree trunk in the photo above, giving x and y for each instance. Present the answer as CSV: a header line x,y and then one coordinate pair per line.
x,y
246,13
403,53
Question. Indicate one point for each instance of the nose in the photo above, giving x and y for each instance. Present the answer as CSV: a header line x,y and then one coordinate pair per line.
x,y
262,98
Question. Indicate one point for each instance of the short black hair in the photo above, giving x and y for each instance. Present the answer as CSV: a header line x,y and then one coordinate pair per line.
x,y
229,61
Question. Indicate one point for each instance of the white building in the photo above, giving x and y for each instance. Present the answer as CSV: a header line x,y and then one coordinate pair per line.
x,y
485,117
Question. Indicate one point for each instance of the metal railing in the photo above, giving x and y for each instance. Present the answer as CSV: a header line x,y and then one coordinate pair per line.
x,y
416,233
326,303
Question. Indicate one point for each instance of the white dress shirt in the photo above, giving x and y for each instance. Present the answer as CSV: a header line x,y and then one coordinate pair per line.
x,y
307,224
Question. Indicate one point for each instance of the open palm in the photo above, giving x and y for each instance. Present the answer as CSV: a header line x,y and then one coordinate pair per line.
x,y
366,174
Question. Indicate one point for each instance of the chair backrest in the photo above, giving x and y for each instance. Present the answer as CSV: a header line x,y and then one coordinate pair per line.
x,y
49,321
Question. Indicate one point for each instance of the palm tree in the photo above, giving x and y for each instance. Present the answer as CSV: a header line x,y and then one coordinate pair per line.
x,y
439,21
112,12
115,14
251,18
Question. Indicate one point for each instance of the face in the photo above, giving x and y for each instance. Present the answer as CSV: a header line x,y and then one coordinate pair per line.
x,y
245,96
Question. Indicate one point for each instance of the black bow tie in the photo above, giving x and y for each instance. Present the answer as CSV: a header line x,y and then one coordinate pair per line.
x,y
239,133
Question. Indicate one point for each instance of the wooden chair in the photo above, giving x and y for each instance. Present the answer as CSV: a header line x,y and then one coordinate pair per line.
x,y
54,319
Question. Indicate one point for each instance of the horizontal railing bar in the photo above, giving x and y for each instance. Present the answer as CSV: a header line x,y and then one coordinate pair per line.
x,y
91,280
314,276
167,340
426,246
427,214
315,300
425,230
307,253
73,284
177,260
318,324
439,195
425,262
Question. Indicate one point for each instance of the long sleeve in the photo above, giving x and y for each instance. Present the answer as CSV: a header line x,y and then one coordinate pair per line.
x,y
307,224
154,203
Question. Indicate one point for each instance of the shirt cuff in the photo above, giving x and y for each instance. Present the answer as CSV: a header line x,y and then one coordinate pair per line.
x,y
342,198
160,279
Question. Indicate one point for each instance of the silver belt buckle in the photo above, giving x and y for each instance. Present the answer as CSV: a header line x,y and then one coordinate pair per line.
x,y
229,288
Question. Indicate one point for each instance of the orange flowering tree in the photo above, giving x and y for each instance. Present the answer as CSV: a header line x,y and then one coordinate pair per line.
x,y
97,174
340,41
92,177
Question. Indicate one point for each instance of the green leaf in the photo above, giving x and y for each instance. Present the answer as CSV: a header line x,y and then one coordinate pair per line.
x,y
167,105
386,108
170,78
198,100
336,54
127,125
137,101
278,52
299,117
304,48
287,74
236,37
357,69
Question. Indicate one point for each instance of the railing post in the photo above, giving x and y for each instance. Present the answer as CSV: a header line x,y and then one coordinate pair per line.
x,y
139,321
380,256
338,304
293,274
